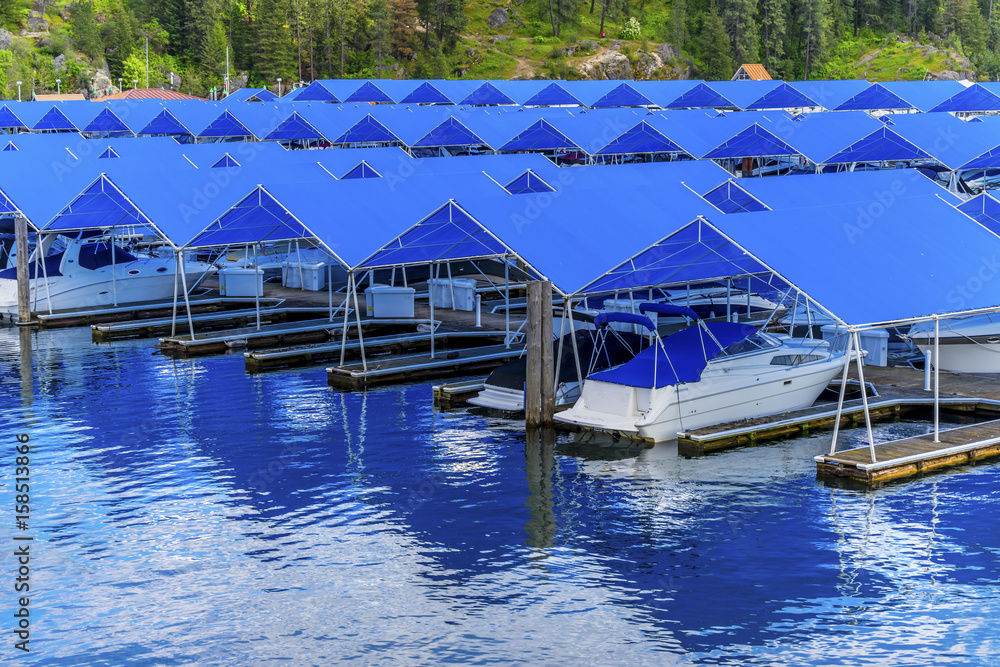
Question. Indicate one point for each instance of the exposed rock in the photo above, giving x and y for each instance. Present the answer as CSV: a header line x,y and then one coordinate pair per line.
x,y
23,32
646,65
680,72
40,6
6,39
497,18
952,75
101,84
569,51
37,23
174,81
498,38
394,66
59,61
470,52
609,65
667,51
588,45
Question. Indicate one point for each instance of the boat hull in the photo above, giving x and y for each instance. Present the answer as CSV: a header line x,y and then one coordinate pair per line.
x,y
660,414
966,345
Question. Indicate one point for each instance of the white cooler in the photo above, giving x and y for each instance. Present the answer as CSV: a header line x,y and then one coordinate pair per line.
x,y
465,293
240,282
388,301
313,275
874,341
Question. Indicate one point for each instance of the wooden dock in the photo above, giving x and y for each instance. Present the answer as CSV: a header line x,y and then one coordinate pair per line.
x,y
145,310
391,370
270,335
456,394
375,346
913,456
211,321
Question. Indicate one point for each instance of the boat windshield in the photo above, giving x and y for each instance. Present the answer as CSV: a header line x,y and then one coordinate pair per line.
x,y
752,343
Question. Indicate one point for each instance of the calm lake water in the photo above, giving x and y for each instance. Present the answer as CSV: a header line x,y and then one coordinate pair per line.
x,y
187,513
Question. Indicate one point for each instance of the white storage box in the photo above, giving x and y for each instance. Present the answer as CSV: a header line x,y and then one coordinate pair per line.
x,y
313,274
240,282
874,341
388,301
464,289
625,306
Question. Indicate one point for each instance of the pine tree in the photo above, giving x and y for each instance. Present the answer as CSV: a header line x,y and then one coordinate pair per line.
x,y
86,36
678,23
716,47
272,43
404,25
741,26
774,24
213,54
379,26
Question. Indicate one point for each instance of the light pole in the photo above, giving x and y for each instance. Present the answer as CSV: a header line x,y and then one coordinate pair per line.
x,y
279,87
135,83
18,91
119,84
58,89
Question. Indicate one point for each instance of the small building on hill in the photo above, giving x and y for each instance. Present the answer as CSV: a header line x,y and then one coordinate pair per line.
x,y
751,73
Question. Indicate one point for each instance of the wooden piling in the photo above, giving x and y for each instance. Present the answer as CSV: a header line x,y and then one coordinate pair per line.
x,y
539,386
23,289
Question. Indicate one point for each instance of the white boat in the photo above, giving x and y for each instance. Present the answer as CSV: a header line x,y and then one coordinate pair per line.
x,y
504,388
966,345
707,374
80,276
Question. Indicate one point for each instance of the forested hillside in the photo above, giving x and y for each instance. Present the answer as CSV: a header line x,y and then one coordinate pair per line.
x,y
93,45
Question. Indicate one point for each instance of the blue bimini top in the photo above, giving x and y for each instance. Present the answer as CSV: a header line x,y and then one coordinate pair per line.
x,y
687,353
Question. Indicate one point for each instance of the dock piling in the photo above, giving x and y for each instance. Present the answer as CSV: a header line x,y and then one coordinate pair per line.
x,y
539,384
23,288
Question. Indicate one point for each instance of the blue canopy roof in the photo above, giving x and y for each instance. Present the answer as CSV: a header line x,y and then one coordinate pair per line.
x,y
984,209
744,93
165,123
54,120
316,91
250,95
486,94
876,96
292,128
447,233
623,95
528,182
682,357
553,95
880,145
783,97
830,94
426,93
731,198
226,125
256,218
451,132
754,141
701,96
369,92
108,124
924,95
102,205
225,161
951,141
363,170
540,135
367,131
974,98
641,138
9,119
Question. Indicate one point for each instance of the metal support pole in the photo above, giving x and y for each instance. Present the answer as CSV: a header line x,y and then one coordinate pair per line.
x,y
937,380
173,316
451,286
843,390
23,285
432,284
114,278
479,311
45,274
576,349
347,302
506,297
361,337
187,301
864,395
256,292
329,288
928,359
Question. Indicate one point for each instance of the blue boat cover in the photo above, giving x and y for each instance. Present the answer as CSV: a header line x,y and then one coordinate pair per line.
x,y
682,357
668,309
624,318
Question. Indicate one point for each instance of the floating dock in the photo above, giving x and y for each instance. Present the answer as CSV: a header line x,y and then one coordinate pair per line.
x,y
213,321
145,310
913,456
391,370
456,394
375,346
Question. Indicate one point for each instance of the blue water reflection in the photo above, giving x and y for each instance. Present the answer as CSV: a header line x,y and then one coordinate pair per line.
x,y
188,513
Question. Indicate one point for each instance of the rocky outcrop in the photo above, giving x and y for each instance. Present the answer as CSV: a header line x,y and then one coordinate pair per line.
x,y
608,65
101,85
667,51
6,39
497,18
646,65
58,62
